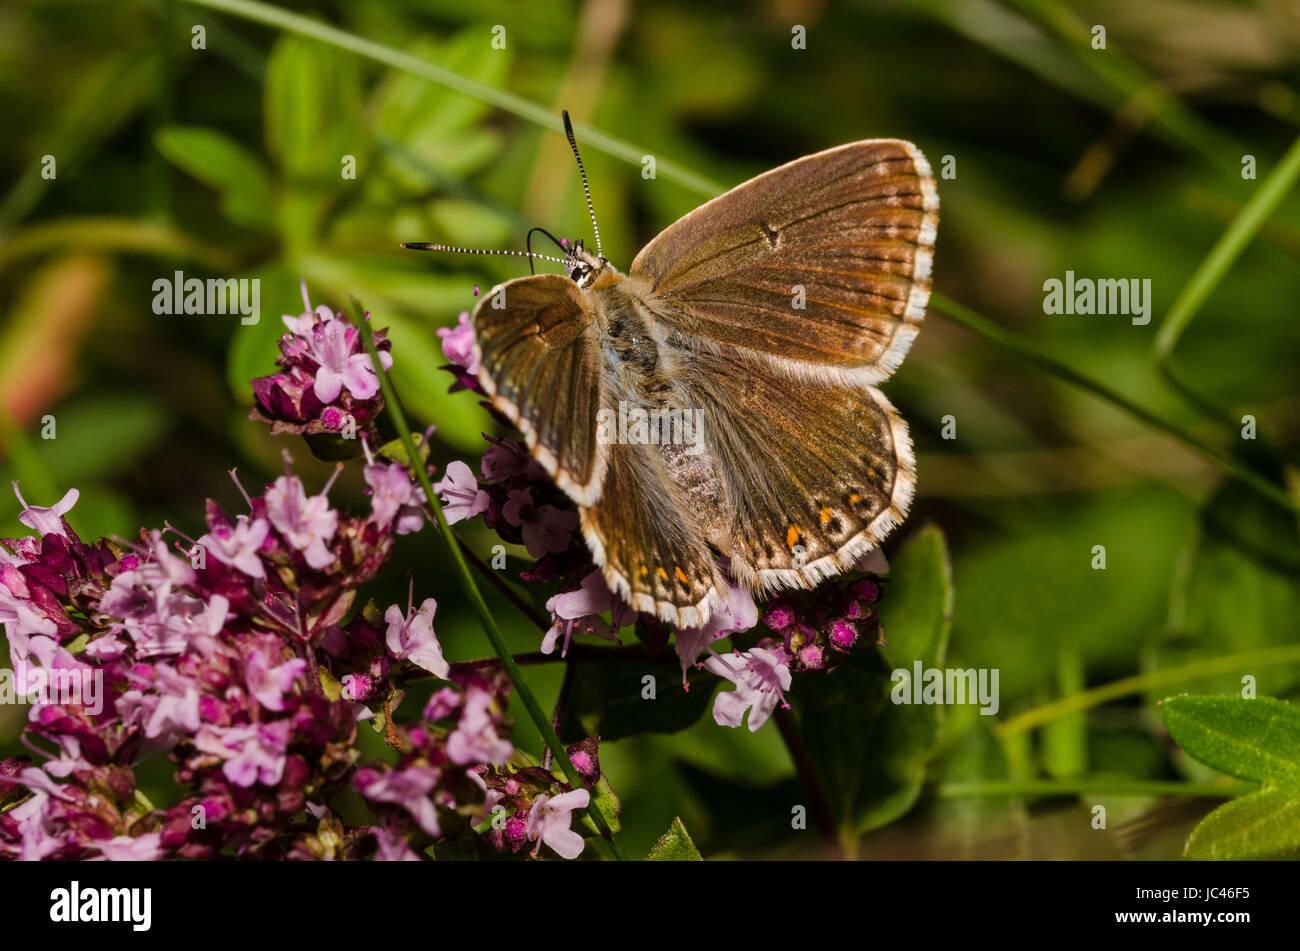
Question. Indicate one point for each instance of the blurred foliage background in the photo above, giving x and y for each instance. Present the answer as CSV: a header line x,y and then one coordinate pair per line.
x,y
1125,162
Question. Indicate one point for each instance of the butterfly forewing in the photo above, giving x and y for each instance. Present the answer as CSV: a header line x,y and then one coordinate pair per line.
x,y
540,364
822,264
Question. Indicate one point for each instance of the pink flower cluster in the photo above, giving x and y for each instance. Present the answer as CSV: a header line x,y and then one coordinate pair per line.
x,y
527,804
240,657
326,382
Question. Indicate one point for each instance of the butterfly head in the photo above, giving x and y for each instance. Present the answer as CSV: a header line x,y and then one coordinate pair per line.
x,y
581,265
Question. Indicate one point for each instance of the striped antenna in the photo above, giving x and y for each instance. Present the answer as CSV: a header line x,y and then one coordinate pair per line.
x,y
573,144
422,246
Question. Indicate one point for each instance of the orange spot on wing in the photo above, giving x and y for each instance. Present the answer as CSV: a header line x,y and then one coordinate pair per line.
x,y
681,575
644,571
663,575
855,498
792,536
826,516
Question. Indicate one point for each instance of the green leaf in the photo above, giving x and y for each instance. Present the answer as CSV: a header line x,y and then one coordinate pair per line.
x,y
607,802
313,99
438,129
224,164
332,689
869,751
1252,739
916,611
312,109
675,845
1235,582
605,700
1262,825
1016,577
396,450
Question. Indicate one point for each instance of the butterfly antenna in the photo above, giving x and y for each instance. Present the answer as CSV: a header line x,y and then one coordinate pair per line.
x,y
421,246
573,144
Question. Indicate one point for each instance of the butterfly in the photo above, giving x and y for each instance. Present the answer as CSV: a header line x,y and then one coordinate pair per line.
x,y
713,412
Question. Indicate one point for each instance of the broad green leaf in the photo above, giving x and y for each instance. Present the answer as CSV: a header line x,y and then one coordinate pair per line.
x,y
916,610
608,700
1236,590
313,99
431,131
1252,739
312,109
675,845
473,225
869,751
1261,825
224,164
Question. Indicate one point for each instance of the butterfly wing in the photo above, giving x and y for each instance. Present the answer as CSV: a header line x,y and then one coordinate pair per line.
x,y
814,473
539,362
648,542
819,265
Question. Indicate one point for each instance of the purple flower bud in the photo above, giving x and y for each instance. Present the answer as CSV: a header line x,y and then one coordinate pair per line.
x,y
779,617
812,657
843,634
517,831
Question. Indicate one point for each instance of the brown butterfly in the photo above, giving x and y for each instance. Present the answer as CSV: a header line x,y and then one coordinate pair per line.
x,y
713,412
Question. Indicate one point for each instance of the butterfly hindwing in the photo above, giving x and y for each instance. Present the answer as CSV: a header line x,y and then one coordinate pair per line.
x,y
820,267
648,541
540,365
815,473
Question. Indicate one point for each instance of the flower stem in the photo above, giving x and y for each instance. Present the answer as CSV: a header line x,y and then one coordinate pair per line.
x,y
467,582
1165,676
807,773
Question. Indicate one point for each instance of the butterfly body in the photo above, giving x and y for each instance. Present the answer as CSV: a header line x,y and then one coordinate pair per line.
x,y
713,411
